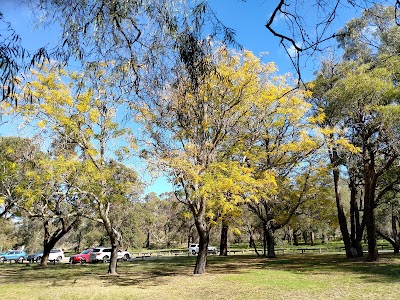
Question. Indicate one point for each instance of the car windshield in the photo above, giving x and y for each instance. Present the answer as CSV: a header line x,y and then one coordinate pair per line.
x,y
85,251
96,250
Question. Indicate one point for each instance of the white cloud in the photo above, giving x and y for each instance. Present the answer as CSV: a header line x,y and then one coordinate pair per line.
x,y
292,50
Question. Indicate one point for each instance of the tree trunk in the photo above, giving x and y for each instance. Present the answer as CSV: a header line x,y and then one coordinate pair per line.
x,y
265,240
341,215
114,237
147,244
295,238
356,228
270,243
289,236
112,267
201,261
189,240
223,247
396,244
78,246
369,211
312,238
252,243
50,240
202,230
305,237
48,244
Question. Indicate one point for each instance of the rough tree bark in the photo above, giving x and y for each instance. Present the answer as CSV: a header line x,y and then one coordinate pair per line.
x,y
270,239
334,157
201,261
369,211
356,226
203,231
223,247
295,238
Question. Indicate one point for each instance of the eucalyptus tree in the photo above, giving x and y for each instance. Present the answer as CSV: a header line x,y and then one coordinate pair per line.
x,y
357,97
362,100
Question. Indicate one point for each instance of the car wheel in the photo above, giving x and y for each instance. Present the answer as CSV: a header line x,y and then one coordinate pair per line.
x,y
21,259
126,257
59,258
2,259
194,252
105,259
38,259
83,260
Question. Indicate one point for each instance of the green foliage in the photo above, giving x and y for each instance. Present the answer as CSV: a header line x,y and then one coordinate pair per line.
x,y
7,235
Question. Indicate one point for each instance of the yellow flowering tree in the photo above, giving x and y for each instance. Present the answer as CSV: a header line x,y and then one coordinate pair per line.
x,y
279,139
194,132
43,187
83,110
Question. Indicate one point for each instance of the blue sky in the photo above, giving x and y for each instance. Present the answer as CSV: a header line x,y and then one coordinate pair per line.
x,y
247,18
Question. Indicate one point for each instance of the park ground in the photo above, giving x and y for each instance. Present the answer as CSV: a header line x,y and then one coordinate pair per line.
x,y
290,276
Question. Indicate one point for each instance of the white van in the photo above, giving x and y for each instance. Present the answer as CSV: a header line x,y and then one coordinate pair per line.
x,y
194,249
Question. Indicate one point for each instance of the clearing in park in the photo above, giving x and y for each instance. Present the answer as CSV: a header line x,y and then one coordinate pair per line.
x,y
290,276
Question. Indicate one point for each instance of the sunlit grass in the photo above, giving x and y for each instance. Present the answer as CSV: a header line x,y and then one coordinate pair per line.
x,y
307,276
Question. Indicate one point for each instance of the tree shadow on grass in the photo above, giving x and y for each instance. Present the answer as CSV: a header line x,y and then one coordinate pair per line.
x,y
148,273
387,269
159,271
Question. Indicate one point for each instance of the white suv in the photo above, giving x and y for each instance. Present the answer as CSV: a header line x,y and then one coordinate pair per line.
x,y
104,254
54,255
194,249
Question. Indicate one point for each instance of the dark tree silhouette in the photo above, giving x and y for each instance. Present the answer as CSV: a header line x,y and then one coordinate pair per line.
x,y
310,25
14,59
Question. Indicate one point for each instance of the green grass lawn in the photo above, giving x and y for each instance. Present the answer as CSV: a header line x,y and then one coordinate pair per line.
x,y
302,276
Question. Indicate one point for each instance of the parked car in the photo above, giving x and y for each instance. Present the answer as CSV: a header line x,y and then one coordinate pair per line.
x,y
123,255
212,250
194,249
55,254
82,257
17,255
104,254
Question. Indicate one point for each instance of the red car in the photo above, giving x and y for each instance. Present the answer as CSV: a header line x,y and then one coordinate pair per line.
x,y
81,257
